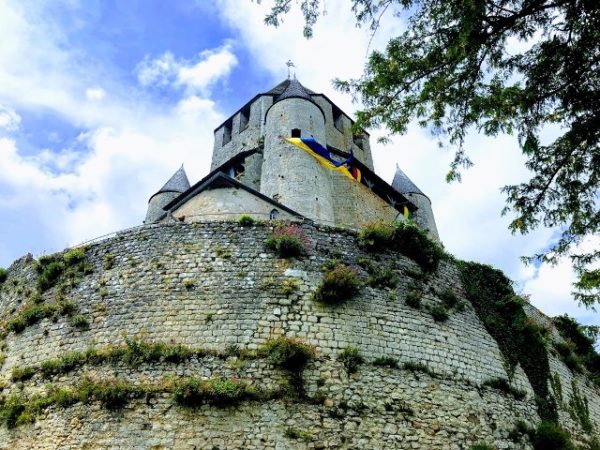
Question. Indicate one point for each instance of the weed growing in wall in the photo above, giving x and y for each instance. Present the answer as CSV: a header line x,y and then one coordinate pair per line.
x,y
520,341
70,266
288,241
579,408
386,361
80,322
581,346
351,358
3,275
413,299
404,237
418,367
246,221
194,392
439,313
503,385
287,353
34,312
297,433
549,436
338,285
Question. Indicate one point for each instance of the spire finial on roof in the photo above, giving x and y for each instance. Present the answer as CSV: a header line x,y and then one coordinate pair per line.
x,y
289,64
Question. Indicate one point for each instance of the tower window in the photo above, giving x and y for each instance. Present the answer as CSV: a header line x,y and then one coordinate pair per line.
x,y
227,131
337,118
359,140
244,117
296,132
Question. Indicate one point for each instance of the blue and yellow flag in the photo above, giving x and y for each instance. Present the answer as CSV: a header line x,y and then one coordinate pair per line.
x,y
323,156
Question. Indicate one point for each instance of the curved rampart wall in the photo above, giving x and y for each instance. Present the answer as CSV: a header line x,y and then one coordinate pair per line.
x,y
236,296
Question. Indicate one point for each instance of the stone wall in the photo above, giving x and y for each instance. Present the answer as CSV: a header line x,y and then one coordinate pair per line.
x,y
237,293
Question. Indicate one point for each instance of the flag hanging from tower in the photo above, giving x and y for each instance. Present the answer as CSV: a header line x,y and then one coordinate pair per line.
x,y
323,156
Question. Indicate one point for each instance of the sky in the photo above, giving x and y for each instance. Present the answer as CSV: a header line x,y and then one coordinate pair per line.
x,y
101,101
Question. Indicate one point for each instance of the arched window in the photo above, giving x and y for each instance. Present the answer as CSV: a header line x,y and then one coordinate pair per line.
x,y
274,214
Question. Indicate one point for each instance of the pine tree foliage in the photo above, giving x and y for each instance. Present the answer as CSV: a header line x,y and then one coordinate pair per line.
x,y
456,68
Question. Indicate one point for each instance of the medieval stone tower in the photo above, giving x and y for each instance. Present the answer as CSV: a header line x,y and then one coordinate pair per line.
x,y
194,331
251,153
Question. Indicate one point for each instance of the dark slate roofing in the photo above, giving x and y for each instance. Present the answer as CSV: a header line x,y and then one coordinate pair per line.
x,y
177,183
278,90
294,90
403,184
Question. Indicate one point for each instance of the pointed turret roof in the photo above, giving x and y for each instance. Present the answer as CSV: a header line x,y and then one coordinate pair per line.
x,y
278,90
294,90
177,183
403,184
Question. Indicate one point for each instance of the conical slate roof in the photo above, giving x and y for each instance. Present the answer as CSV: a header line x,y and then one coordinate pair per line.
x,y
278,90
403,184
294,90
177,183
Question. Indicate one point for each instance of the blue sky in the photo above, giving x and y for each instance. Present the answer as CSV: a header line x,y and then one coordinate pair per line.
x,y
101,101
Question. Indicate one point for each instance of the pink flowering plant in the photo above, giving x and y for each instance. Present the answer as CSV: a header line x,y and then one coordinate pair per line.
x,y
288,241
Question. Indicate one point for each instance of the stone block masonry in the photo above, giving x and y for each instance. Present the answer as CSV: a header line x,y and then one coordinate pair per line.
x,y
215,286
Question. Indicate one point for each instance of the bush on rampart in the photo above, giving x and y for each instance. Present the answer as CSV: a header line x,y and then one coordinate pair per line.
x,y
404,237
288,241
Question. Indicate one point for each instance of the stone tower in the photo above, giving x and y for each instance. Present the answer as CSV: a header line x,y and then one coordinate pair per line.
x,y
177,184
263,166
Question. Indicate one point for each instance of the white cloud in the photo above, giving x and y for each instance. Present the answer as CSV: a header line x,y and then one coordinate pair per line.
x,y
9,119
99,182
95,94
195,76
158,71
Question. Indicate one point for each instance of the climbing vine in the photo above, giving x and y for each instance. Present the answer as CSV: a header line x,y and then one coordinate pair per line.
x,y
520,340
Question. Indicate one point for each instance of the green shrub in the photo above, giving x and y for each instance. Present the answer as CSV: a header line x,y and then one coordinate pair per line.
x,y
384,278
289,354
16,325
351,358
550,436
296,433
439,313
74,256
246,221
519,430
112,394
49,275
22,374
503,385
3,275
481,446
376,236
219,392
338,285
80,322
109,261
386,361
288,241
413,299
582,346
418,367
449,298
414,243
11,410
567,356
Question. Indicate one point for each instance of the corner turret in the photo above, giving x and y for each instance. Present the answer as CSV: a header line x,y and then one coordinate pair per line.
x,y
424,215
177,184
